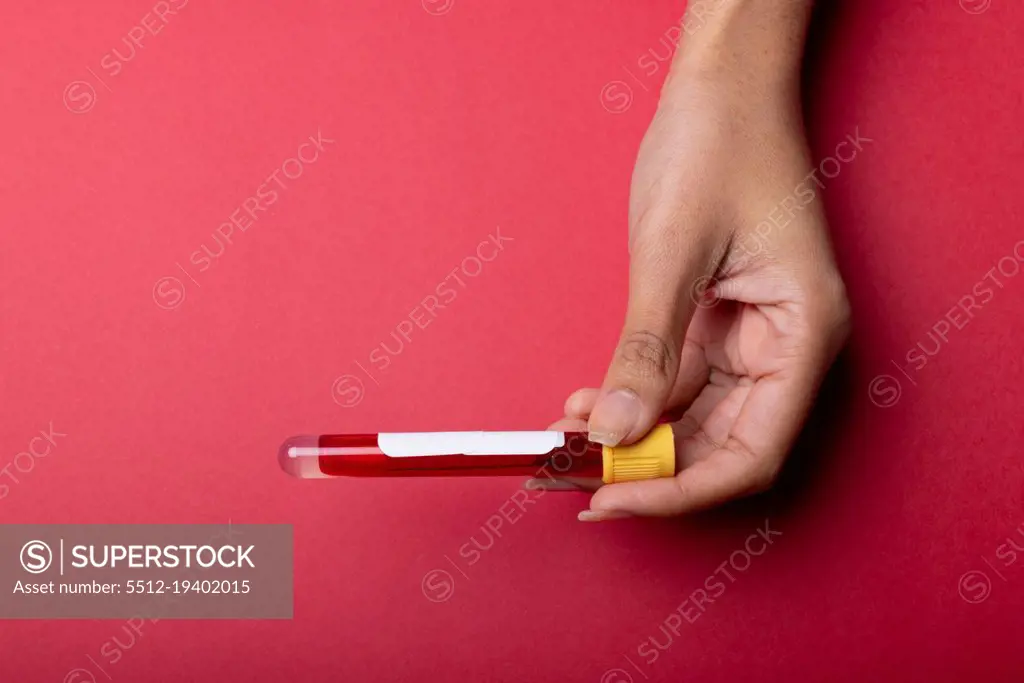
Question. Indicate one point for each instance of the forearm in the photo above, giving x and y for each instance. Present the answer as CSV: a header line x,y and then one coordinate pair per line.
x,y
755,44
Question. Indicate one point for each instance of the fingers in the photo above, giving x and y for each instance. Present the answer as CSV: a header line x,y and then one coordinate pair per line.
x,y
723,476
568,424
602,515
646,363
692,376
580,403
772,413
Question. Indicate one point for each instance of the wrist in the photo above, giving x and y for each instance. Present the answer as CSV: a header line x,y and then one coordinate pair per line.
x,y
756,45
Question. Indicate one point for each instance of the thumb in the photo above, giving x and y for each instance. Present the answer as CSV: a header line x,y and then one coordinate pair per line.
x,y
664,275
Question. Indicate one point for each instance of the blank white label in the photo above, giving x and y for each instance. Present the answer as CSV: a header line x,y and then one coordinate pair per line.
x,y
416,444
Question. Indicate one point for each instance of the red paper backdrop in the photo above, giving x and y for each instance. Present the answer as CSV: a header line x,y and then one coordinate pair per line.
x,y
448,121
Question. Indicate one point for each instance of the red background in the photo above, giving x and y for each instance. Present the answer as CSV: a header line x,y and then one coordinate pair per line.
x,y
448,121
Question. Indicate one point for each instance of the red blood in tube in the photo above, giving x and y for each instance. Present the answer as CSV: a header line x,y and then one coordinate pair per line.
x,y
359,455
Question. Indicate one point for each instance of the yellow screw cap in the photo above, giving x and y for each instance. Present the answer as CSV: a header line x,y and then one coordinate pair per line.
x,y
652,457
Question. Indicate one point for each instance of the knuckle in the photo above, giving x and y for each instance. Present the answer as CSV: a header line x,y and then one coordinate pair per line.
x,y
832,312
842,321
837,301
646,355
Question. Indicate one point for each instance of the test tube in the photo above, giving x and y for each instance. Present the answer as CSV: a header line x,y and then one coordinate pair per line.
x,y
476,454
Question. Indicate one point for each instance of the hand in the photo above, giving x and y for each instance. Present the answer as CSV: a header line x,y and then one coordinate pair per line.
x,y
731,317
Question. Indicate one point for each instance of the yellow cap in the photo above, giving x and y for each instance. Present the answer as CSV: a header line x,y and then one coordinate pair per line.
x,y
652,457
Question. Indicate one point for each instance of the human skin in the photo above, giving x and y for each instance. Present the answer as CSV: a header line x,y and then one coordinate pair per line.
x,y
726,146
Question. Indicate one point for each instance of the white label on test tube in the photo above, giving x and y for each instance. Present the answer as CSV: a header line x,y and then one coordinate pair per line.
x,y
416,444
